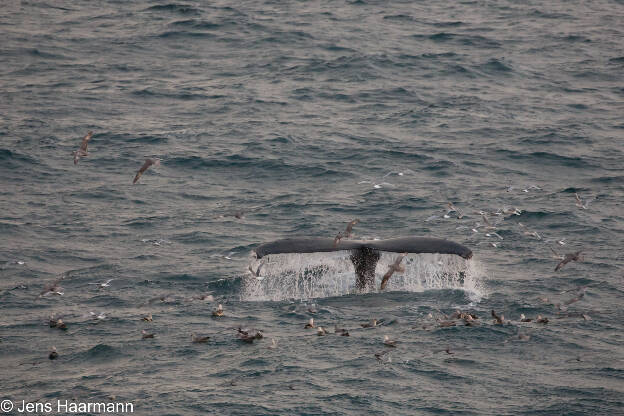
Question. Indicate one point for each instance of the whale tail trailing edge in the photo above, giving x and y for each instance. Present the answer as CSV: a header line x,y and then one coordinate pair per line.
x,y
364,253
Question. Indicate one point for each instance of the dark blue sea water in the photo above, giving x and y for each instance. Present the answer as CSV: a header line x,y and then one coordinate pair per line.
x,y
306,115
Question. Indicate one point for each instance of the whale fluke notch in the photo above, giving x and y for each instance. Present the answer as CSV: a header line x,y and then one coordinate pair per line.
x,y
364,253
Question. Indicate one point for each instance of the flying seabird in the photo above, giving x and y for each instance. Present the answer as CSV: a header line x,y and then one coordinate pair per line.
x,y
395,267
490,234
256,274
99,317
556,255
83,150
53,288
579,202
104,284
526,231
147,164
451,208
568,258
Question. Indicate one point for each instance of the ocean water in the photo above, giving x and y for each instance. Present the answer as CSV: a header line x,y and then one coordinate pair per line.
x,y
305,115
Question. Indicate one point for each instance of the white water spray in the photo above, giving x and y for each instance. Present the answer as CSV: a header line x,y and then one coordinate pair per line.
x,y
318,275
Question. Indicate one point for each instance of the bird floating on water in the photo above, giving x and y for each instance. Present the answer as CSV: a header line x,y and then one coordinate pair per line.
x,y
389,342
371,324
198,339
310,324
145,334
218,311
53,354
341,331
248,335
498,320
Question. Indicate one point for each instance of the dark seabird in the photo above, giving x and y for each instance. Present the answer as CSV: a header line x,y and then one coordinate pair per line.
x,y
146,165
568,258
218,311
198,340
341,331
53,321
541,320
206,297
371,324
53,288
145,334
61,325
249,336
524,318
53,354
147,318
499,320
83,151
395,267
348,231
337,239
580,296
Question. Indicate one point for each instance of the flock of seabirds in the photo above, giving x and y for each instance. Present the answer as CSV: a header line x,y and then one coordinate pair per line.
x,y
458,317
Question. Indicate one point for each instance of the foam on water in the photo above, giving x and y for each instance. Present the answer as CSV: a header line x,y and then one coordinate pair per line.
x,y
319,275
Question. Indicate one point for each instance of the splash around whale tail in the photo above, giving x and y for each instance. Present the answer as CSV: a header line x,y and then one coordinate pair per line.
x,y
364,253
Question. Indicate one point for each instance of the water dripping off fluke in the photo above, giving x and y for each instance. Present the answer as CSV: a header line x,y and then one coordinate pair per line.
x,y
319,275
